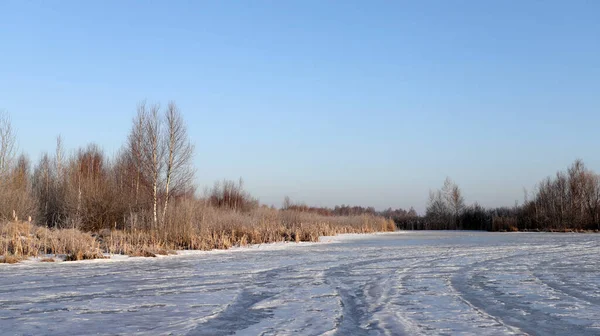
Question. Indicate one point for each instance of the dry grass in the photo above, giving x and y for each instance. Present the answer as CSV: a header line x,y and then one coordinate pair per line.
x,y
218,229
9,259
188,227
23,239
210,228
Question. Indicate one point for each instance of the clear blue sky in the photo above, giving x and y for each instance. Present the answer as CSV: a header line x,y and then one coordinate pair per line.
x,y
360,102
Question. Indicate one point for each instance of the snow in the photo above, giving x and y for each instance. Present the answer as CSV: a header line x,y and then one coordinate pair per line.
x,y
404,283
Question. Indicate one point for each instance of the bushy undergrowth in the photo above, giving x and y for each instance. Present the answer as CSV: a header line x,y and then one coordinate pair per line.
x,y
187,228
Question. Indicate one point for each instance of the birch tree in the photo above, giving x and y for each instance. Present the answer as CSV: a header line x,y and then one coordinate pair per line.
x,y
179,171
161,152
153,154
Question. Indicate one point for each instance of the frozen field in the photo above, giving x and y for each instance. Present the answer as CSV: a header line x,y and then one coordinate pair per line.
x,y
434,283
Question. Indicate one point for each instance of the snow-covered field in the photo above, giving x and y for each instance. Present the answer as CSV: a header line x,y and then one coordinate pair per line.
x,y
405,283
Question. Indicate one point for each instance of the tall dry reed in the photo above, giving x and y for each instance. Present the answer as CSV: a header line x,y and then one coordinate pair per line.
x,y
187,226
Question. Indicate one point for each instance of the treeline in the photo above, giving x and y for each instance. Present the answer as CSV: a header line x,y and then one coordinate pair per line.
x,y
568,201
349,210
143,199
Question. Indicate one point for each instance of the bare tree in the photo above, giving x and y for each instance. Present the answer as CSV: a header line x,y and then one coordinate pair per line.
x,y
147,149
591,196
136,147
179,171
437,211
445,206
576,181
23,200
231,195
42,186
153,154
8,143
457,204
454,201
411,212
59,159
287,203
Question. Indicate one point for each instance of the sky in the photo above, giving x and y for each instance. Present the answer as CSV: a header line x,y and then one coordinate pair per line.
x,y
328,102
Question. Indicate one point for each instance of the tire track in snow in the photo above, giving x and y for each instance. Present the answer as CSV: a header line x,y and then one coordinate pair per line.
x,y
241,313
507,308
238,315
356,317
564,286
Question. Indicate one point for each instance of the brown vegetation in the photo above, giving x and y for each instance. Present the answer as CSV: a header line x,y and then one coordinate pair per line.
x,y
23,239
9,259
142,202
203,228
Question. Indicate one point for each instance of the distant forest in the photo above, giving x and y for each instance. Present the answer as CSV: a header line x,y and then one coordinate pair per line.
x,y
568,201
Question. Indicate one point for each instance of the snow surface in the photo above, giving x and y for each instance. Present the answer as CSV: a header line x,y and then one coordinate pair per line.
x,y
405,283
